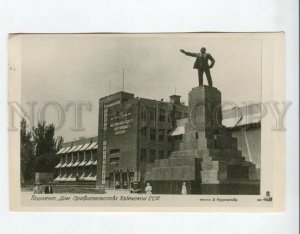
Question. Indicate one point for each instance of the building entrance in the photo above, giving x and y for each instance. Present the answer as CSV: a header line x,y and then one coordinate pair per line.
x,y
120,180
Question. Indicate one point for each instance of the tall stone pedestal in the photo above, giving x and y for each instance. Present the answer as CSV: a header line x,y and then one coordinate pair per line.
x,y
208,160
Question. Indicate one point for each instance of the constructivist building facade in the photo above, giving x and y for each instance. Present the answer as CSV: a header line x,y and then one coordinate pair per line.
x,y
78,161
133,132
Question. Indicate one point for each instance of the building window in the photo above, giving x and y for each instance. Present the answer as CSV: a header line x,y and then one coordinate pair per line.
x,y
152,134
81,156
170,118
114,151
143,115
169,153
162,115
161,154
152,155
178,115
170,139
185,115
161,135
144,132
197,135
143,155
68,158
114,160
152,114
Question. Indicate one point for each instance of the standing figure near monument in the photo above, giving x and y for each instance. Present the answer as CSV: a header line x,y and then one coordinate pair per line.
x,y
202,65
148,189
48,189
183,189
38,188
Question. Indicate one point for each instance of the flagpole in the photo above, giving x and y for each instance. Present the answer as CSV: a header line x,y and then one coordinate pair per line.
x,y
123,81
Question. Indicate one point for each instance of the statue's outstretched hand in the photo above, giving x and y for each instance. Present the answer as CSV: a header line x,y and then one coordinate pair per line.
x,y
182,51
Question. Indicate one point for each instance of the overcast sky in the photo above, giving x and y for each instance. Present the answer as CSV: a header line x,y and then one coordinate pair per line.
x,y
64,68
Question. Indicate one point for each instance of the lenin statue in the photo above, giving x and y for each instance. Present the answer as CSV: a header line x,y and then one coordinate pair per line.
x,y
202,65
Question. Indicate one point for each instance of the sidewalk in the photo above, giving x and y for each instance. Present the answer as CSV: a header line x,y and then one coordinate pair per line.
x,y
80,190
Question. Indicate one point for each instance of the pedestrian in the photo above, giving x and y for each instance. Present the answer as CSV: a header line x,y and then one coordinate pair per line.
x,y
148,189
48,188
38,188
117,184
183,189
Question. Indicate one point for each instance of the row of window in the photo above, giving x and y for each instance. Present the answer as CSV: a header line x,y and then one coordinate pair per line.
x,y
162,133
81,153
114,151
151,154
162,115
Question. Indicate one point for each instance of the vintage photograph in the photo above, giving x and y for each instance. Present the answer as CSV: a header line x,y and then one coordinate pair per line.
x,y
146,120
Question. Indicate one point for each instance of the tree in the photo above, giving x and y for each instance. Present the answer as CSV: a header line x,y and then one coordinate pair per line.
x,y
27,153
43,136
58,143
46,146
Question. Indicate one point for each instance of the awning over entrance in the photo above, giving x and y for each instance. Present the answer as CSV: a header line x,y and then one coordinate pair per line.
x,y
65,150
177,131
58,178
76,163
77,148
72,177
64,165
90,177
94,145
70,163
61,177
82,163
90,162
73,148
61,150
84,147
240,121
59,165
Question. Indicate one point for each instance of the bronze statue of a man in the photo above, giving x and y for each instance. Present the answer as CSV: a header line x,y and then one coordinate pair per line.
x,y
202,65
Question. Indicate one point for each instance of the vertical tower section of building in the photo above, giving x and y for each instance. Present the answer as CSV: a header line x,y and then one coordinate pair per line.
x,y
117,151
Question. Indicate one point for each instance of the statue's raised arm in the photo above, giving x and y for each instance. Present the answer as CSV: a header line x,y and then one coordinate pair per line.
x,y
188,53
201,64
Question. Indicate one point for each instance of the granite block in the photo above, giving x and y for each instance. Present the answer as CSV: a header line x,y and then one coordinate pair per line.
x,y
188,173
